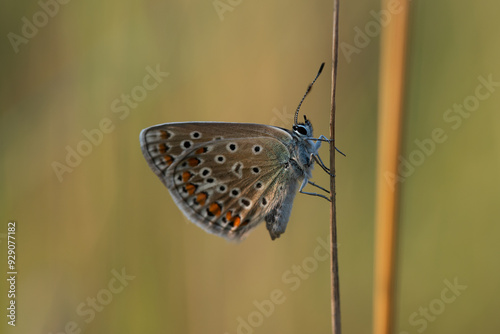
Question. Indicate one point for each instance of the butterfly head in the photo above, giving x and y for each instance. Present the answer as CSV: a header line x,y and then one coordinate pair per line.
x,y
303,130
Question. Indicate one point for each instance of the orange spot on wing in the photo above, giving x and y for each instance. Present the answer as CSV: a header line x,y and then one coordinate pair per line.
x,y
168,159
233,220
186,176
236,221
190,188
201,198
214,209
193,162
164,134
163,148
201,150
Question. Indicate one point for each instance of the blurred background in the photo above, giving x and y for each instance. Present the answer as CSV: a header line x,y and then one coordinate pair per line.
x,y
101,247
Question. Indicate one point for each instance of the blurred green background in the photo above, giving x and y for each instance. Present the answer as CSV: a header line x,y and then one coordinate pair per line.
x,y
246,61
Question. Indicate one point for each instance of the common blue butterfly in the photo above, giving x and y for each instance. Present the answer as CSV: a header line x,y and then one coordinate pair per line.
x,y
228,177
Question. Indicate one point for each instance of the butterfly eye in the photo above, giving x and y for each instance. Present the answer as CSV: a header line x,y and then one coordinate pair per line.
x,y
300,129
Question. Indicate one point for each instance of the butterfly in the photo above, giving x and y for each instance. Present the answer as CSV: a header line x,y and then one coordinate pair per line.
x,y
228,177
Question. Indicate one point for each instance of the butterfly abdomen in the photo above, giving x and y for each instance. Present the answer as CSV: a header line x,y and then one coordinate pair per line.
x,y
278,216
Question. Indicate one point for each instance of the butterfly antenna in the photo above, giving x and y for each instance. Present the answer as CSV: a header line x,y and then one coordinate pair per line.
x,y
307,92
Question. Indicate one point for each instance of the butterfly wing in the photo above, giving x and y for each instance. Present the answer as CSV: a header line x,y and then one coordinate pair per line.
x,y
225,177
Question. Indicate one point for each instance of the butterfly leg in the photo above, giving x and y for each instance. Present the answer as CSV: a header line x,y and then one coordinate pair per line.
x,y
319,141
316,158
315,185
336,149
304,183
322,139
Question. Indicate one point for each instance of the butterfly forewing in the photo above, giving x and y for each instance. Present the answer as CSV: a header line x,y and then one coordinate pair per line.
x,y
222,181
